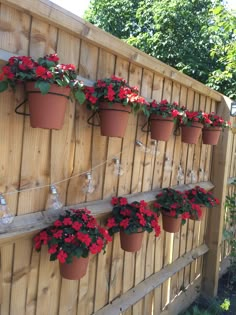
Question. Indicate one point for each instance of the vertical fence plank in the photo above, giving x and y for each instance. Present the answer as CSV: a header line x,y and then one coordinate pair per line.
x,y
83,131
220,166
63,146
116,276
106,68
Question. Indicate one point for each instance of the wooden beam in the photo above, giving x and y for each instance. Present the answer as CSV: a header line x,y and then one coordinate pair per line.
x,y
26,225
61,18
135,294
219,177
182,301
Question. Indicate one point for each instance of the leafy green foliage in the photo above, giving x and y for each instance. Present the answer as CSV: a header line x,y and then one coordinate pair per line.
x,y
197,37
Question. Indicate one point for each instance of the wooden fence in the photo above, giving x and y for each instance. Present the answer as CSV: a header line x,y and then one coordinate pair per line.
x,y
168,273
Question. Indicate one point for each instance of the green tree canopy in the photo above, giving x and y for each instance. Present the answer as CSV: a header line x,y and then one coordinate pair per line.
x,y
186,34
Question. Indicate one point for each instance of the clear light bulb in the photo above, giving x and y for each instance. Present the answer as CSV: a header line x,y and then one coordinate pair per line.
x,y
193,177
168,164
143,148
53,201
5,215
180,175
89,185
118,169
154,150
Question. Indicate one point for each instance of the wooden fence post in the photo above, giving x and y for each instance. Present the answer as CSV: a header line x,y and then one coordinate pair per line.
x,y
219,175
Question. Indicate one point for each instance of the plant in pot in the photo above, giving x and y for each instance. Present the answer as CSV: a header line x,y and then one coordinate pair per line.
x,y
48,87
162,117
191,123
131,220
113,99
213,126
174,207
202,199
71,239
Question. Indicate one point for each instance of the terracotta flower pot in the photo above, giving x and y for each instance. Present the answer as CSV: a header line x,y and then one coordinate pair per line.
x,y
114,119
190,134
47,110
76,270
161,128
211,135
170,224
131,242
194,217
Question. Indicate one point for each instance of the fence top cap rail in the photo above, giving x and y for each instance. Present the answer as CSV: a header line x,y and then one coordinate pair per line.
x,y
63,19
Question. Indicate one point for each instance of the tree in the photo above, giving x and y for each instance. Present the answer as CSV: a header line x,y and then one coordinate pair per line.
x,y
182,33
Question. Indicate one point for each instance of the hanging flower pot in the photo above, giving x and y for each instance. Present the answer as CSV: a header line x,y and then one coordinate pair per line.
x,y
114,119
198,214
47,110
54,82
131,242
171,224
75,270
191,134
211,135
113,99
161,127
175,208
131,220
73,236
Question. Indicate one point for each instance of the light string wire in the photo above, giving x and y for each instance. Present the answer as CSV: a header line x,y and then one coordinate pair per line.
x,y
16,191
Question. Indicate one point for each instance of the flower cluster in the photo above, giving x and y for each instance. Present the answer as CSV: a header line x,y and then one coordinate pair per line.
x,y
202,197
164,109
216,121
75,233
113,90
45,71
174,202
132,217
187,117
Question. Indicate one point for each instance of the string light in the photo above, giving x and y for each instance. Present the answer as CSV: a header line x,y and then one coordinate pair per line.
x,y
118,168
53,201
5,214
193,177
180,175
143,148
89,184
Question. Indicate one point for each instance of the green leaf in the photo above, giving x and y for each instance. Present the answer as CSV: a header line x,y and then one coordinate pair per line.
x,y
3,86
43,86
78,252
80,97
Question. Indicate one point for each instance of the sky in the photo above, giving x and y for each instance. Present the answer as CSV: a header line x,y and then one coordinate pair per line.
x,y
78,7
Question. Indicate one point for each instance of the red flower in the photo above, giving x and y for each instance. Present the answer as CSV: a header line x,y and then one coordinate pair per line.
x,y
69,239
67,221
123,201
57,223
185,215
62,256
124,223
172,213
58,234
110,93
52,57
53,249
111,222
84,238
40,71
76,225
114,201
